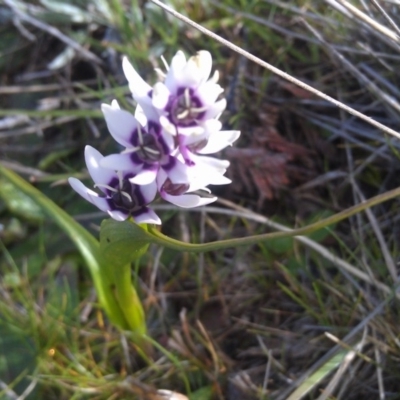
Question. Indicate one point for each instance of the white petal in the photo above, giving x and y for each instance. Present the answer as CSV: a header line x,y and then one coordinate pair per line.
x,y
145,176
79,187
197,69
168,126
100,202
118,215
138,86
147,217
168,139
188,200
203,61
99,174
219,140
207,177
121,124
176,170
190,76
161,178
140,90
218,179
212,125
215,77
160,96
207,171
149,110
191,130
149,192
147,114
195,134
197,185
140,115
115,105
88,194
178,61
211,162
120,162
172,80
215,110
208,92
187,140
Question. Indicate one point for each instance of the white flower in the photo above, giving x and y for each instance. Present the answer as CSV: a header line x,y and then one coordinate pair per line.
x,y
206,171
188,110
187,98
122,198
167,142
148,148
178,193
206,139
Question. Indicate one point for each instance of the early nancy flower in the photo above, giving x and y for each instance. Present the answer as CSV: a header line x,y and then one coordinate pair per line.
x,y
122,198
187,98
167,142
187,103
206,139
148,148
179,195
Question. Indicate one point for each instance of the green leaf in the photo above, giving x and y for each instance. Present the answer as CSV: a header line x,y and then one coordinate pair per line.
x,y
83,240
123,242
75,13
17,357
319,375
20,203
321,234
280,245
204,393
41,205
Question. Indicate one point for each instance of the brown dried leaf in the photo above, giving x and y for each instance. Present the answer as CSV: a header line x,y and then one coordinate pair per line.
x,y
261,168
265,163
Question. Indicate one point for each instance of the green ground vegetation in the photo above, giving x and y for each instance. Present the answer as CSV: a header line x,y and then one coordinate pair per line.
x,y
310,317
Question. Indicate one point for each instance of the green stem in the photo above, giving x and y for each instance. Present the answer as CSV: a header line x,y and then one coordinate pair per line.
x,y
132,309
128,299
159,238
106,295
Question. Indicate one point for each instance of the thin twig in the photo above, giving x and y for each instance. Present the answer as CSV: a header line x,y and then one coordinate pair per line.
x,y
390,100
387,17
379,372
347,339
379,236
9,393
370,21
341,264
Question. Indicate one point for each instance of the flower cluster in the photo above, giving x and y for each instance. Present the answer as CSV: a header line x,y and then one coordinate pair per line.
x,y
166,141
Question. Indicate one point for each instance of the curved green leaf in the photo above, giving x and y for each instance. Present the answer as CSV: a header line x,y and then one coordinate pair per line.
x,y
84,241
19,203
123,242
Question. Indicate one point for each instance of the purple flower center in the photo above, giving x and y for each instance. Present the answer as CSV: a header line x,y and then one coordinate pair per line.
x,y
197,146
149,145
148,150
185,109
174,189
124,195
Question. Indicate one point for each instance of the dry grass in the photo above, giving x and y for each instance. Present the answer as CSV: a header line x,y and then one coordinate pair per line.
x,y
302,318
